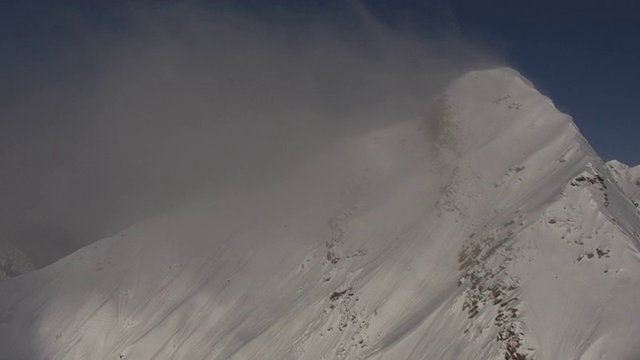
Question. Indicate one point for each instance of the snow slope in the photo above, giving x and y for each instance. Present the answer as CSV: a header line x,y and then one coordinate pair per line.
x,y
488,230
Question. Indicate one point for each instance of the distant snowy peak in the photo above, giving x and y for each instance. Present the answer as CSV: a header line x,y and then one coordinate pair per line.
x,y
628,178
13,262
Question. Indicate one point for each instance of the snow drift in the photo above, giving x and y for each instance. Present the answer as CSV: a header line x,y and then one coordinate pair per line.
x,y
489,229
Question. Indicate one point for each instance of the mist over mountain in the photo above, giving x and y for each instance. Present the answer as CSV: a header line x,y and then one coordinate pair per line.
x,y
220,187
128,120
486,229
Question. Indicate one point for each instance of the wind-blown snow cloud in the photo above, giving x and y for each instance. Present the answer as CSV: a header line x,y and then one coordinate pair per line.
x,y
182,98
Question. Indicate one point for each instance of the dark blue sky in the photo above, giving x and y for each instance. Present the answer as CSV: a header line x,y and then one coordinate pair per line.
x,y
583,54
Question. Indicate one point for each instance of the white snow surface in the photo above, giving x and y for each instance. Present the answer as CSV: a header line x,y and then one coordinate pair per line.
x,y
488,230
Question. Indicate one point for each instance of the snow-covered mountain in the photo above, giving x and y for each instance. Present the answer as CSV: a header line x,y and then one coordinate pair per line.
x,y
489,229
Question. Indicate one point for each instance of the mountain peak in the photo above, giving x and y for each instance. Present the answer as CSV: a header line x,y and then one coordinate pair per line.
x,y
516,244
497,114
504,72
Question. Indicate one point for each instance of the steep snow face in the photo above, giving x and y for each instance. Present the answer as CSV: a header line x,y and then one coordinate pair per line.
x,y
488,230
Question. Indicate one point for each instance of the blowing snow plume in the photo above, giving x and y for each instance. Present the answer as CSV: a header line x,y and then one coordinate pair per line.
x,y
125,123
